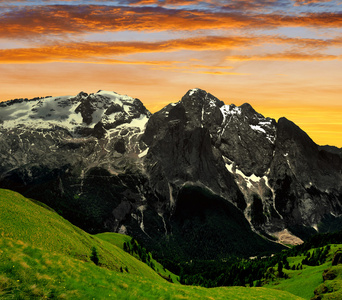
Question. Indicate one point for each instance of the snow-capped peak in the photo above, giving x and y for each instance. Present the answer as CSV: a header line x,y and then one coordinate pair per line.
x,y
114,95
70,112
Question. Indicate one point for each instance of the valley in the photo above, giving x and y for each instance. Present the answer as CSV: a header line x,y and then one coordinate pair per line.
x,y
101,199
42,256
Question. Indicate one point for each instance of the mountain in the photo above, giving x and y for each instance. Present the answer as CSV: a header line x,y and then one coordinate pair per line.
x,y
197,174
332,149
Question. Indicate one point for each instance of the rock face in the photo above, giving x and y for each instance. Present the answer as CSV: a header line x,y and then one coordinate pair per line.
x,y
76,154
336,260
104,162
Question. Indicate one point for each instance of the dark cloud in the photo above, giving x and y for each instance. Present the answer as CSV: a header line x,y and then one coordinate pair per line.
x,y
74,19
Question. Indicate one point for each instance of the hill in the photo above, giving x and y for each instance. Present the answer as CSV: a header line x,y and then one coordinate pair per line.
x,y
33,224
44,256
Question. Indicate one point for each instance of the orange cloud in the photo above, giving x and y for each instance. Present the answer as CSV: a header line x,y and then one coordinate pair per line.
x,y
285,56
212,67
219,73
198,69
308,2
98,52
42,20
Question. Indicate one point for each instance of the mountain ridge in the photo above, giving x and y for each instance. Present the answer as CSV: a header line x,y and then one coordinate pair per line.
x,y
115,166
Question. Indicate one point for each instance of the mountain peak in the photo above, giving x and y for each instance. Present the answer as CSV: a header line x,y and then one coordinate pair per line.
x,y
195,91
74,112
105,148
201,97
82,95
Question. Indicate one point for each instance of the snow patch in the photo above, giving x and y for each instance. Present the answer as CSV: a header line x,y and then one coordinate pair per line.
x,y
115,95
172,201
229,167
142,208
162,217
142,154
273,193
258,128
250,180
202,116
271,138
192,92
139,122
212,103
230,110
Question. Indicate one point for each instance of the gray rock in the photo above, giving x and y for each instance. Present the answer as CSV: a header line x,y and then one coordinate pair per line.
x,y
103,161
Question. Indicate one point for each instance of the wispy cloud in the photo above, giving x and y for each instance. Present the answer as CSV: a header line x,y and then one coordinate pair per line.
x,y
100,51
30,21
286,56
218,45
219,73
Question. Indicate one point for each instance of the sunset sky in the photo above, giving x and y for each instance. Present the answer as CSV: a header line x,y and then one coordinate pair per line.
x,y
283,57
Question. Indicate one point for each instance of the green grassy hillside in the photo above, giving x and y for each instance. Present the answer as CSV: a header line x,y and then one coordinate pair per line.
x,y
119,240
116,239
331,288
31,273
307,279
43,256
23,220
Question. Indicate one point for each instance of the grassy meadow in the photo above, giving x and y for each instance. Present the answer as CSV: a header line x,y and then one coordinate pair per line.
x,y
304,282
43,256
28,222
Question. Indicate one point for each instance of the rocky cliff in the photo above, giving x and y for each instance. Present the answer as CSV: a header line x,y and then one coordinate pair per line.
x,y
196,170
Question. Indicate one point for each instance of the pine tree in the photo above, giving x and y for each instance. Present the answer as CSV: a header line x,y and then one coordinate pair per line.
x,y
280,269
94,256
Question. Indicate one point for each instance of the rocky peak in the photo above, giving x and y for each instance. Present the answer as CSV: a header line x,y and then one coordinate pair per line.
x,y
86,107
198,97
202,108
108,151
247,139
81,95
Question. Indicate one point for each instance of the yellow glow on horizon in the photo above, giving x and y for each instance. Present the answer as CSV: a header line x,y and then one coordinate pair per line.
x,y
312,120
282,62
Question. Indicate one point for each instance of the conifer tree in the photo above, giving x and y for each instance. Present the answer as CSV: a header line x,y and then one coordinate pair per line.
x,y
94,256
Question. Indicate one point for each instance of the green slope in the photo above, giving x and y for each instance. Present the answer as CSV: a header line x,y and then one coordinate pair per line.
x,y
116,239
305,281
119,239
26,221
44,256
301,282
331,288
31,273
